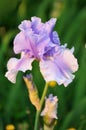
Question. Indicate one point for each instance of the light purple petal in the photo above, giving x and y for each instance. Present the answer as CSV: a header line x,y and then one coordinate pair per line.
x,y
51,72
43,43
55,38
14,65
35,44
70,60
20,43
24,41
25,25
11,76
29,40
36,25
48,26
11,73
59,68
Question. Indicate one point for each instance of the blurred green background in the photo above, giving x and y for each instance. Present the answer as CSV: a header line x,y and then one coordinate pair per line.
x,y
15,106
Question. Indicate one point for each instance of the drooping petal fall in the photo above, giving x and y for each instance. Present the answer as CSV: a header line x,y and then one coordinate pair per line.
x,y
14,65
59,68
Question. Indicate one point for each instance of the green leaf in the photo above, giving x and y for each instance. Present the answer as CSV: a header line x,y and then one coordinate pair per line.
x,y
73,117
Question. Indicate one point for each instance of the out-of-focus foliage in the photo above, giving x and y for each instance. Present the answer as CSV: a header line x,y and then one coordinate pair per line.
x,y
15,106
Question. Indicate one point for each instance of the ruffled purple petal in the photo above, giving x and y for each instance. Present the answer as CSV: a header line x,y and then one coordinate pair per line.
x,y
25,25
14,65
59,68
25,41
70,60
39,27
48,26
30,40
51,72
44,44
36,25
20,43
55,38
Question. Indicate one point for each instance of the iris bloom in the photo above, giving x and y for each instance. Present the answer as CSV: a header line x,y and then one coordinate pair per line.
x,y
50,109
38,41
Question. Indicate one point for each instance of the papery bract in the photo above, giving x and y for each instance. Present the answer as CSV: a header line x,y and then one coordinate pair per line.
x,y
50,109
33,92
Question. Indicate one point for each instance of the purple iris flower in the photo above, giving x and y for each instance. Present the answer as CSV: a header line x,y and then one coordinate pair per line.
x,y
37,40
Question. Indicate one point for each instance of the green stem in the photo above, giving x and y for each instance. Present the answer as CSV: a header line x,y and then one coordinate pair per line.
x,y
41,103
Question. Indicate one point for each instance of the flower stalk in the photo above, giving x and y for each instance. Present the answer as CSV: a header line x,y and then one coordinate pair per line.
x,y
41,103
